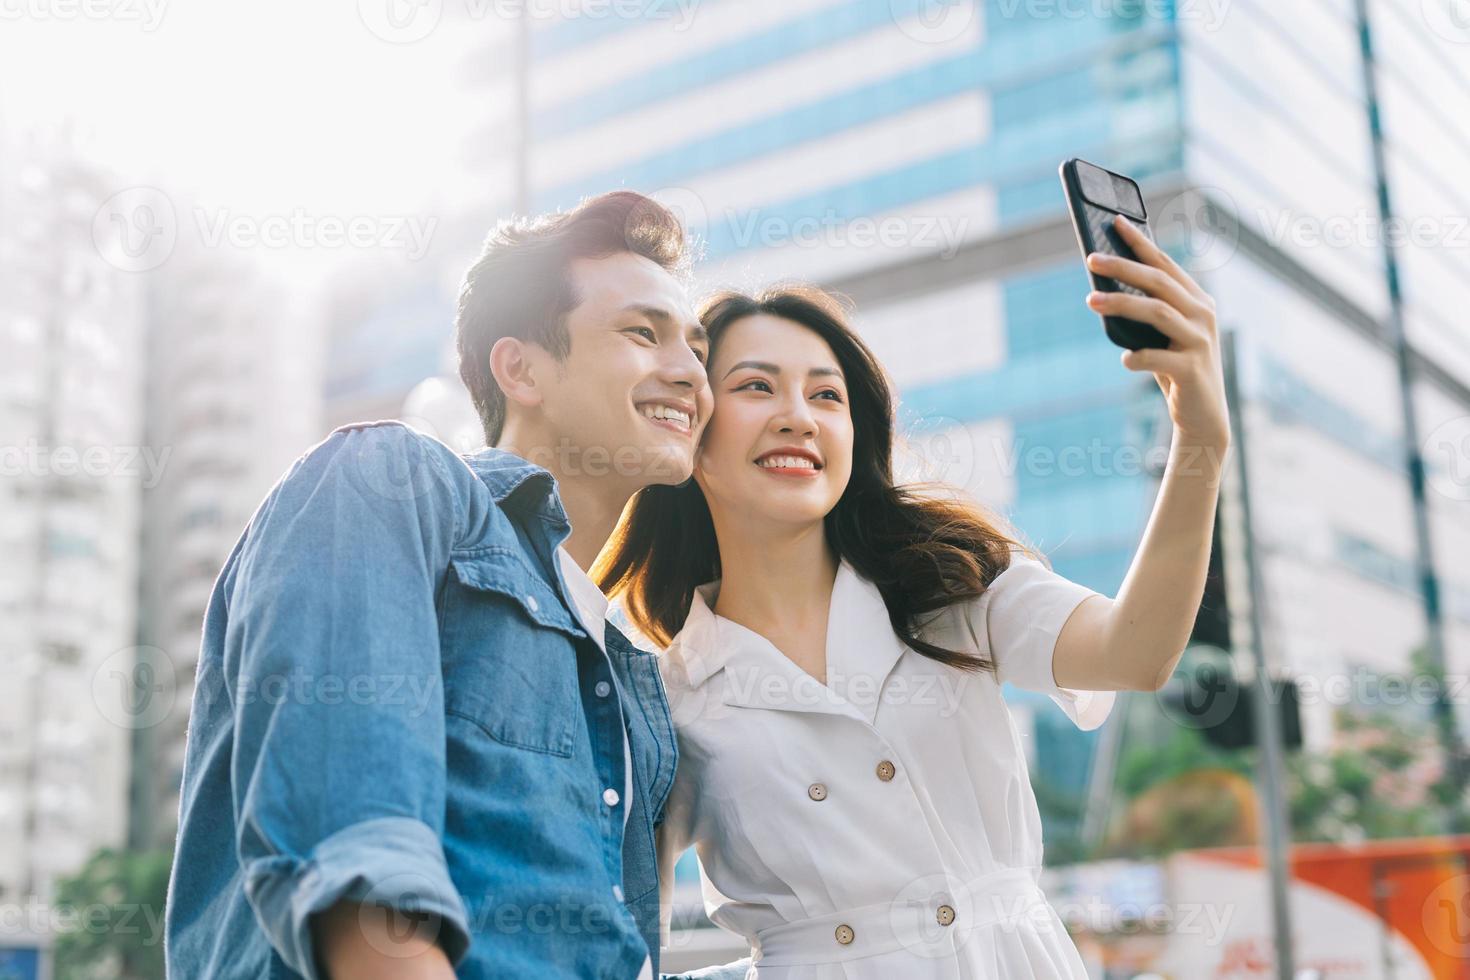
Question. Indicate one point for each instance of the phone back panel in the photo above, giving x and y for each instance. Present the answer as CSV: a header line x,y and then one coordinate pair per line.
x,y
1095,233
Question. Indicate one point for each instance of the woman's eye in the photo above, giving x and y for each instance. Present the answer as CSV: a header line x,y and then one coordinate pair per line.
x,y
756,385
828,393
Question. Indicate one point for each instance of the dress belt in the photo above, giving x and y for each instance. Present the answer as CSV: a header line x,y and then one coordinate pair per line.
x,y
933,917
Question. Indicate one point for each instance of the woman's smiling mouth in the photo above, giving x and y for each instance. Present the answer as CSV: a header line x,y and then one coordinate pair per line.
x,y
790,461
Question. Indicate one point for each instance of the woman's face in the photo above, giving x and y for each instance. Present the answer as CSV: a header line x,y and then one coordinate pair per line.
x,y
778,448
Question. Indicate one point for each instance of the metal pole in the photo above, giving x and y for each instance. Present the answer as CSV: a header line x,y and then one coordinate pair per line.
x,y
1444,713
523,113
1269,770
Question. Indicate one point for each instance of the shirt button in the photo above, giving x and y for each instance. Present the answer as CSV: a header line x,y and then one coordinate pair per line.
x,y
845,935
817,792
944,915
602,688
886,770
532,604
610,796
618,892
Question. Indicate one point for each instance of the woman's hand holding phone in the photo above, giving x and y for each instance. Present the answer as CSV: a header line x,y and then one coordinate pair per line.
x,y
1189,371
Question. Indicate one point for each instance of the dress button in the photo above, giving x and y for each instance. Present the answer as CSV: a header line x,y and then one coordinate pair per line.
x,y
532,604
817,792
610,797
602,688
845,935
886,770
945,915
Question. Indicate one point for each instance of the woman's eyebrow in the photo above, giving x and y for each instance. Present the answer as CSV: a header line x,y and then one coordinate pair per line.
x,y
770,368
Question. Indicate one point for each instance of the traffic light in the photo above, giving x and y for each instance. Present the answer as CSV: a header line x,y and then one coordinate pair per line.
x,y
1211,700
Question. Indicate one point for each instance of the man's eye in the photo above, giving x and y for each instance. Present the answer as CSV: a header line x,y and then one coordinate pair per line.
x,y
644,332
702,355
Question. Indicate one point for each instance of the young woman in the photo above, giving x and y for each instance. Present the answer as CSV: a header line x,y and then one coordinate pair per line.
x,y
848,772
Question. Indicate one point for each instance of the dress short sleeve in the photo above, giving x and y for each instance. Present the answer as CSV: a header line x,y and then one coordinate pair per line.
x,y
1022,613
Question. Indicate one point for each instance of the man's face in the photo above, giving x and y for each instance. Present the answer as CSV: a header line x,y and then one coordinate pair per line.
x,y
631,399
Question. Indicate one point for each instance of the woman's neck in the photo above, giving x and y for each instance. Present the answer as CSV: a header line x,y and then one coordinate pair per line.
x,y
777,583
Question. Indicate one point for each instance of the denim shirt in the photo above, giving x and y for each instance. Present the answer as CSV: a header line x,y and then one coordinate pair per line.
x,y
395,705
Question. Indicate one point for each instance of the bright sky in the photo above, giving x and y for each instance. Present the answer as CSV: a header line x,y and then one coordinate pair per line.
x,y
269,104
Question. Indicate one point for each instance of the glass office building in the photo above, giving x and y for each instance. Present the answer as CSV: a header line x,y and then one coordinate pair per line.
x,y
906,153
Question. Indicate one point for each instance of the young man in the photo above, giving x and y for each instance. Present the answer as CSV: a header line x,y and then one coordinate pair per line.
x,y
417,749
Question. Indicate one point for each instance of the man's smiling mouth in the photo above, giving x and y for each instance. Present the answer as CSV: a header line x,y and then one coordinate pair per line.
x,y
667,415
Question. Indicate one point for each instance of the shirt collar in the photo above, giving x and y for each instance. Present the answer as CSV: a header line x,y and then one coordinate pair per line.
x,y
516,483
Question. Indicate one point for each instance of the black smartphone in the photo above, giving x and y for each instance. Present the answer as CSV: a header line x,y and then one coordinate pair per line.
x,y
1094,197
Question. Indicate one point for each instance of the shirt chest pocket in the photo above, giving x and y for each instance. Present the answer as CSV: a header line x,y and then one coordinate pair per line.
x,y
510,655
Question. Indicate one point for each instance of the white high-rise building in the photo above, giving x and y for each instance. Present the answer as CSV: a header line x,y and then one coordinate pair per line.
x,y
71,448
233,398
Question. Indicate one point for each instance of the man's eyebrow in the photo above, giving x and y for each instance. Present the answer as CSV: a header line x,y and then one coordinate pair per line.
x,y
770,368
648,310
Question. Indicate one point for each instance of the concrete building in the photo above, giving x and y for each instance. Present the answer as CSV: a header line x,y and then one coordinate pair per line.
x,y
71,427
234,361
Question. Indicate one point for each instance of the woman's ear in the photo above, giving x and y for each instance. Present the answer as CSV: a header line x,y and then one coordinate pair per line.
x,y
513,370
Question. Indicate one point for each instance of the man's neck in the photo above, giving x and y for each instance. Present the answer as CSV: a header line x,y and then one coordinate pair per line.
x,y
593,503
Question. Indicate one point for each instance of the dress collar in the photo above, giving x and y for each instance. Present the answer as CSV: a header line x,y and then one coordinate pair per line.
x,y
862,650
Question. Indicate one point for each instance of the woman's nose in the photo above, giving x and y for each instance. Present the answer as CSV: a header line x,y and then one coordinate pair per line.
x,y
796,418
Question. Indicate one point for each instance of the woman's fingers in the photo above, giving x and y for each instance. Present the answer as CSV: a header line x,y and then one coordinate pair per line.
x,y
1147,309
1152,280
1171,364
1148,251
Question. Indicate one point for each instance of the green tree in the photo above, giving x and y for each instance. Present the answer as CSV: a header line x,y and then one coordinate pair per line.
x,y
112,916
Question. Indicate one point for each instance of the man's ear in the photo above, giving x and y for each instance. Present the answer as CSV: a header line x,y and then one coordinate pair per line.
x,y
512,365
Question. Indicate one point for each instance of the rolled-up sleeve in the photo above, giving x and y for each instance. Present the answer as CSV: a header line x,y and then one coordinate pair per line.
x,y
1022,614
332,658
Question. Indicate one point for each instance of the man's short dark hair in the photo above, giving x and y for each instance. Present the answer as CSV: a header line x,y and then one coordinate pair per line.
x,y
521,284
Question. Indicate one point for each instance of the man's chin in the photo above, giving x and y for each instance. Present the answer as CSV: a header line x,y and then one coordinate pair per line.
x,y
665,462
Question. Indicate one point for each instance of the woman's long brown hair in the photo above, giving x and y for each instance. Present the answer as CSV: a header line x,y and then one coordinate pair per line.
x,y
924,551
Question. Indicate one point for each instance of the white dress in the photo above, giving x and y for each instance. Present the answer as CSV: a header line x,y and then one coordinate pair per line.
x,y
882,825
